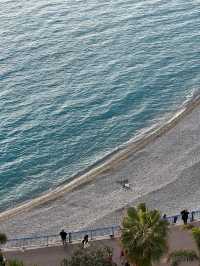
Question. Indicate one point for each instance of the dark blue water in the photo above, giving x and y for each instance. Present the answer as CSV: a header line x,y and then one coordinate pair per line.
x,y
80,78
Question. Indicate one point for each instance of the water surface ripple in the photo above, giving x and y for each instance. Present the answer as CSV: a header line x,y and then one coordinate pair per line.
x,y
80,78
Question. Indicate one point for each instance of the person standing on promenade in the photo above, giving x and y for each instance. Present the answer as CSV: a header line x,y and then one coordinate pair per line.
x,y
175,219
63,236
70,237
2,259
85,240
164,217
122,258
184,215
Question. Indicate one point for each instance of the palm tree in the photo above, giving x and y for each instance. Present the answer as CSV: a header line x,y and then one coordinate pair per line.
x,y
144,235
183,255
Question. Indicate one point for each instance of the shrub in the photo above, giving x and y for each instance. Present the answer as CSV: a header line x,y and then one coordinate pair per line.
x,y
187,226
196,236
179,256
15,263
90,256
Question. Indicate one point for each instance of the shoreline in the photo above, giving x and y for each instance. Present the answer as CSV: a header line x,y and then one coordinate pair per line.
x,y
105,164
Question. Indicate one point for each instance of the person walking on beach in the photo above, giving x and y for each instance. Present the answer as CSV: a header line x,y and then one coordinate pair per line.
x,y
184,215
63,236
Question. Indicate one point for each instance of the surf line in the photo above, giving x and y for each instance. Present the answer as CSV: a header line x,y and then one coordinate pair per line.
x,y
106,164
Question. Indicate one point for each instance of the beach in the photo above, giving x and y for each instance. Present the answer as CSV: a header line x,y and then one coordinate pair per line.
x,y
162,169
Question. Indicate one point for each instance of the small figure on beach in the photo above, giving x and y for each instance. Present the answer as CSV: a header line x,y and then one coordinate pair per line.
x,y
126,186
184,215
124,183
85,240
63,236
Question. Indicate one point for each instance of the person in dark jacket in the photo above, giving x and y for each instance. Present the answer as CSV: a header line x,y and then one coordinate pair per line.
x,y
2,259
184,215
63,236
85,240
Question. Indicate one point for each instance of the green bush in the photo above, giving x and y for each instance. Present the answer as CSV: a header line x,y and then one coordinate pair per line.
x,y
15,263
196,236
90,256
187,226
179,256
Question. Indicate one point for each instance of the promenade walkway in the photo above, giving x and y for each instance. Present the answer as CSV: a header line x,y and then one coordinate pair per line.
x,y
51,256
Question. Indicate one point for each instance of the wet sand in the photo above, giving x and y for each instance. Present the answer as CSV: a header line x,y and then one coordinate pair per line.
x,y
162,168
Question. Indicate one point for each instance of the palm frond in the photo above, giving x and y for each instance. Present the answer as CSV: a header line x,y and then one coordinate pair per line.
x,y
142,207
144,235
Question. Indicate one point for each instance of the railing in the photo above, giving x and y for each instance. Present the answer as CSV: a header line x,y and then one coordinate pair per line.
x,y
176,219
48,240
77,236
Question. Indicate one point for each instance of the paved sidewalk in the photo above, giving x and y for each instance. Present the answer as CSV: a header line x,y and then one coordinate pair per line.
x,y
52,256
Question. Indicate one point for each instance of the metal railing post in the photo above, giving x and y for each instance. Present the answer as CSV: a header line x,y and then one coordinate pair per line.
x,y
113,233
70,237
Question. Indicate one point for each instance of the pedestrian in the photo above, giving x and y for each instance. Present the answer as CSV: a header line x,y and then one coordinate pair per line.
x,y
164,217
70,237
122,258
2,259
175,219
63,236
184,215
85,240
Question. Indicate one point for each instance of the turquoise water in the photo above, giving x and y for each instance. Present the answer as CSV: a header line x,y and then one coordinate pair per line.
x,y
80,78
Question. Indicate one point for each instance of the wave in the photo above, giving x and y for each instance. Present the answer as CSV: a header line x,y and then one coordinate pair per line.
x,y
143,138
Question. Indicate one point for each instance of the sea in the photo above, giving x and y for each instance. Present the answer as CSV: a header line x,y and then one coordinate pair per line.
x,y
81,78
